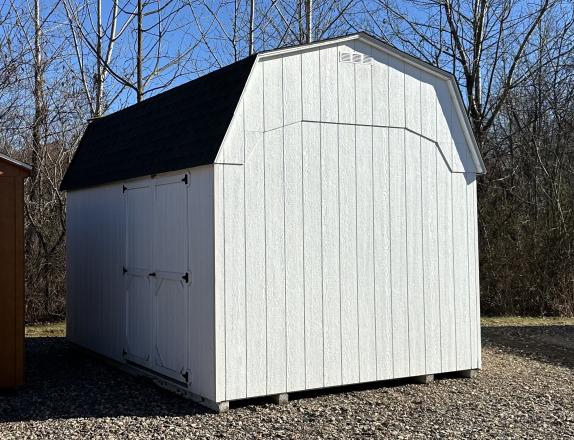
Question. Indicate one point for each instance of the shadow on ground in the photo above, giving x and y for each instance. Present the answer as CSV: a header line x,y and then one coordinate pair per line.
x,y
552,344
62,382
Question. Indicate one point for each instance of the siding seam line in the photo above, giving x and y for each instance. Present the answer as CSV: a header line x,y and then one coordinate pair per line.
x,y
406,226
468,273
245,250
356,224
321,220
357,260
284,251
373,218
438,264
222,192
424,289
303,240
453,271
265,230
339,227
303,222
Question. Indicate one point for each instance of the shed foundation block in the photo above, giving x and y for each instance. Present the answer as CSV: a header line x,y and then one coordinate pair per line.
x,y
219,407
425,378
468,374
280,399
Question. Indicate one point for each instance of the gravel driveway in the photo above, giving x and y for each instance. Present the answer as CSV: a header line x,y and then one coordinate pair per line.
x,y
526,390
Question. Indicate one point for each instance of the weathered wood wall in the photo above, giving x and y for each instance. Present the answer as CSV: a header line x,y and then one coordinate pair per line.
x,y
11,274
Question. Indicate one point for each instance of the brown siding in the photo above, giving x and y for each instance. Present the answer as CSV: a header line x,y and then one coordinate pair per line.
x,y
11,275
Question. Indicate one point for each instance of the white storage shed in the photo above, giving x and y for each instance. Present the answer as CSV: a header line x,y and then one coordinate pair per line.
x,y
300,219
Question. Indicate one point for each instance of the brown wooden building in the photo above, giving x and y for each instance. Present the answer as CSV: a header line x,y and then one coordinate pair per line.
x,y
12,175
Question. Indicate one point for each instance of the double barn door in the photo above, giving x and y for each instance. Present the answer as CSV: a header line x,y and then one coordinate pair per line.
x,y
157,275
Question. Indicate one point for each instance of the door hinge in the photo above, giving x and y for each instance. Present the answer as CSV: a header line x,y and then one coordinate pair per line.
x,y
124,352
124,188
184,180
152,274
186,277
186,376
124,270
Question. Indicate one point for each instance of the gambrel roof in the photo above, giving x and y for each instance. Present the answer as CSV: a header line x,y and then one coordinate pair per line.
x,y
180,128
185,127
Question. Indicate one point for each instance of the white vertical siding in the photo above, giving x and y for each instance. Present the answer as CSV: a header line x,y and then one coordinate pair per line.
x,y
292,89
364,87
345,85
328,83
219,283
254,224
313,257
472,272
310,86
234,284
431,289
355,245
382,254
396,92
348,254
412,99
275,261
256,327
97,255
380,82
201,301
460,256
415,281
273,93
294,258
332,305
365,255
399,301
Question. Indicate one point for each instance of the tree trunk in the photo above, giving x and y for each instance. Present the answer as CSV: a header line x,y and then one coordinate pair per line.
x,y
251,26
309,21
99,80
139,60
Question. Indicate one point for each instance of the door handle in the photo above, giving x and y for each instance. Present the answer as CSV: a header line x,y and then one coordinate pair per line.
x,y
153,274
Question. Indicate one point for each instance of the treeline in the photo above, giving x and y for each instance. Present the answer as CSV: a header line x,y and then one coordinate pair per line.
x,y
64,62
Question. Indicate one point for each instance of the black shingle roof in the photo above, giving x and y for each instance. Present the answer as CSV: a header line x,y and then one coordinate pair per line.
x,y
180,128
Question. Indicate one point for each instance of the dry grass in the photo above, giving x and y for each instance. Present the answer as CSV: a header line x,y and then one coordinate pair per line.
x,y
524,321
58,329
55,329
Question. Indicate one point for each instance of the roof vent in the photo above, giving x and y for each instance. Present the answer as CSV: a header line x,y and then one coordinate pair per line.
x,y
345,57
355,58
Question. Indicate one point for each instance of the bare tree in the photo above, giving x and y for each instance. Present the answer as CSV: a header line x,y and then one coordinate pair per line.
x,y
93,42
485,43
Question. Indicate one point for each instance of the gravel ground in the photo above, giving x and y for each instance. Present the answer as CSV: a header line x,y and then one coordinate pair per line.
x,y
525,390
